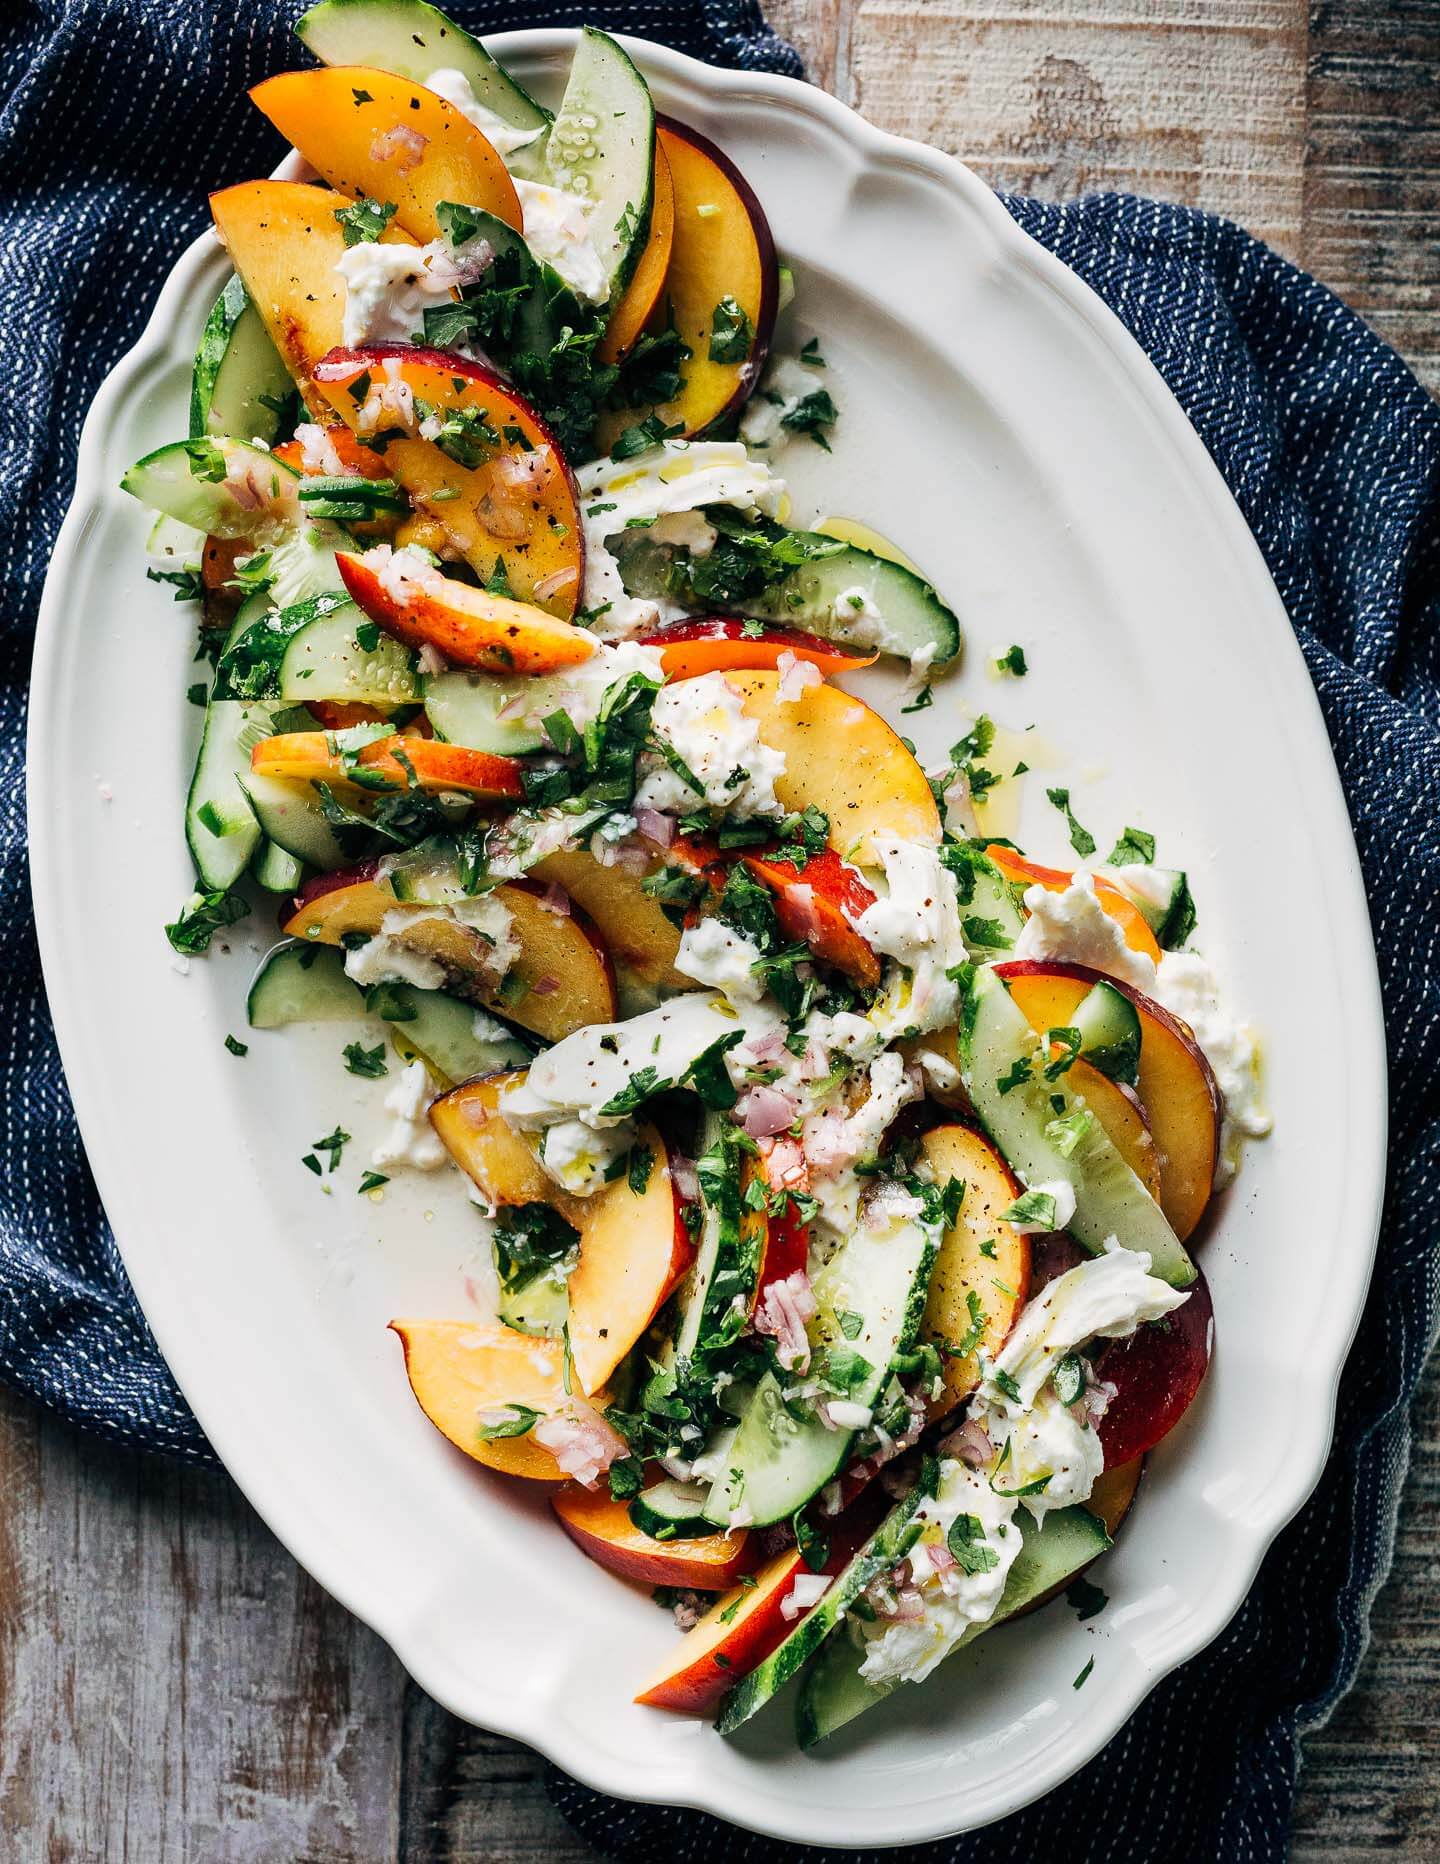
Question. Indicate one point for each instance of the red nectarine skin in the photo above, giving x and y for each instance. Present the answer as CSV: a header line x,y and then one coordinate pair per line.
x,y
717,643
488,512
305,756
1156,1373
471,627
814,904
602,1529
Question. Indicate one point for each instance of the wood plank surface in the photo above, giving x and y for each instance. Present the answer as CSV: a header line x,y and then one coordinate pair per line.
x,y
172,1688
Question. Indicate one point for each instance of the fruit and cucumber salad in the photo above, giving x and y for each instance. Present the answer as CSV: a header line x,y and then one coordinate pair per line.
x,y
835,1167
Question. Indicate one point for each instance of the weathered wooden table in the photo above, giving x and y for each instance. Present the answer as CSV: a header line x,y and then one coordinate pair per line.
x,y
171,1685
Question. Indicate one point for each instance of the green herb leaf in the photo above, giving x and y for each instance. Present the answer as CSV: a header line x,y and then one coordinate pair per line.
x,y
203,915
813,415
1012,661
368,1063
732,335
966,1540
518,1421
1087,1599
1134,849
372,1181
1081,840
1036,1209
237,1047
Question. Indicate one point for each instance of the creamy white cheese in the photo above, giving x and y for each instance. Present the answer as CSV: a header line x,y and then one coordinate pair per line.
x,y
577,1156
389,958
713,954
581,1075
1073,927
1186,985
662,487
410,1140
503,137
389,286
786,383
1105,1297
907,1650
557,231
916,921
704,722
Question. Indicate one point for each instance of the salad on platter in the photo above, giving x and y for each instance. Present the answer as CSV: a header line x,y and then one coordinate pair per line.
x,y
834,1165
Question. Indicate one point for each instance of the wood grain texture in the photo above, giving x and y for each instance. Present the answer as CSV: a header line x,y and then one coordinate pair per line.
x,y
171,1687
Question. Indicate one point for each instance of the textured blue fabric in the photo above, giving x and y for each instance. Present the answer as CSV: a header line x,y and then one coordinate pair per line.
x,y
1333,452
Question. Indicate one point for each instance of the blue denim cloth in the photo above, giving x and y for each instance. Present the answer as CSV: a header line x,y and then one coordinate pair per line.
x,y
117,117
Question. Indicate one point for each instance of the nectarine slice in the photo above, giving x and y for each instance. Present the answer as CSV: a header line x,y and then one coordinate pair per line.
x,y
471,627
739,1631
308,757
493,480
642,294
842,757
464,1371
1156,1372
636,932
284,241
1125,913
501,1164
602,1528
981,1278
718,643
815,904
560,981
634,1250
378,137
1176,1086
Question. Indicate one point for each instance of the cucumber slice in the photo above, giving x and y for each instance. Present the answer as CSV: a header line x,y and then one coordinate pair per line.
x,y
990,912
189,480
220,826
778,1460
1163,897
1001,1063
290,813
301,983
465,708
886,1547
602,147
727,1259
898,611
411,39
1051,1553
671,1510
311,650
237,369
1109,1026
174,543
451,1036
275,869
540,1308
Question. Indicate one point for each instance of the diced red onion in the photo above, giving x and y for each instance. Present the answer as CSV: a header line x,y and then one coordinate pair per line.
x,y
581,1442
545,986
554,583
655,825
401,145
556,900
767,1112
338,371
783,1310
971,1443
685,1178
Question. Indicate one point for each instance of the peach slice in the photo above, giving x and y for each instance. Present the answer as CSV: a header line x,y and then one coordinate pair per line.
x,y
639,937
1126,915
642,294
738,1632
981,1278
503,495
634,1247
1113,1495
634,1251
845,759
717,643
602,1528
284,241
722,249
561,980
307,757
341,714
460,1369
1177,1088
812,903
379,137
469,626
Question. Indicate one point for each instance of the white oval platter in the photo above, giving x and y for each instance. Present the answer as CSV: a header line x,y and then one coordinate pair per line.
x,y
1000,425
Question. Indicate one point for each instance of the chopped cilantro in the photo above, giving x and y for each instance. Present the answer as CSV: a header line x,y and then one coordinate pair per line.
x,y
372,1181
1012,661
639,438
1084,1674
966,1540
369,1063
237,1047
187,583
732,335
518,1421
203,915
1134,849
812,415
1088,1599
1081,840
1035,1209
334,1144
365,220
1016,1075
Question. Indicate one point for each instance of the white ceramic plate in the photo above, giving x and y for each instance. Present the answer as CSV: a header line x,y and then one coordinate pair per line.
x,y
1000,425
